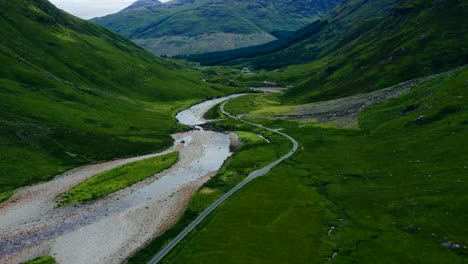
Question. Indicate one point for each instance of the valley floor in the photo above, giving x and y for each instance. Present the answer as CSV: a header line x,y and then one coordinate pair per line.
x,y
392,190
111,229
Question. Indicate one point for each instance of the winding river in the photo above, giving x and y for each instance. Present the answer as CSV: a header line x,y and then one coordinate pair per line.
x,y
113,228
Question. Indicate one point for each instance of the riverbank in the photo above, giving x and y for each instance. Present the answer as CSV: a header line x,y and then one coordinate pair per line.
x,y
111,229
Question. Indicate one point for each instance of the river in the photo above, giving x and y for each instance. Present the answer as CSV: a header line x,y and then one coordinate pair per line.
x,y
111,229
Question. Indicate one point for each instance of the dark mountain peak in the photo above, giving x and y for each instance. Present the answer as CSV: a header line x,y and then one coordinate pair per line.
x,y
144,4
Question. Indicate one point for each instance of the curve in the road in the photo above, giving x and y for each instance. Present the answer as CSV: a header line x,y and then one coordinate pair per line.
x,y
212,207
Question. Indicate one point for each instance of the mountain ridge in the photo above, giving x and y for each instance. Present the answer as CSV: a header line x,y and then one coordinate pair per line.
x,y
367,45
143,4
177,24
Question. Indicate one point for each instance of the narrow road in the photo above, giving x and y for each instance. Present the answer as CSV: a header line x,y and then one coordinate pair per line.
x,y
212,207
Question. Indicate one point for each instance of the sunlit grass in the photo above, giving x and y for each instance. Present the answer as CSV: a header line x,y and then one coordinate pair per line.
x,y
42,260
6,195
394,187
116,179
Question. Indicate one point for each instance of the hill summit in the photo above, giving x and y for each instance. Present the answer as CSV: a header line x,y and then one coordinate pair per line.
x,y
144,4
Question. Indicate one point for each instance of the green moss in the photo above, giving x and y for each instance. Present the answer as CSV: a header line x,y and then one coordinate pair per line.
x,y
116,179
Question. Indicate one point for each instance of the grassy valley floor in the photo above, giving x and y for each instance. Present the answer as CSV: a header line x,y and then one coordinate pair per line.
x,y
252,153
392,191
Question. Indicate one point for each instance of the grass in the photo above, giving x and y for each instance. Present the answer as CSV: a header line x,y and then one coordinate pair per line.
x,y
253,154
250,138
260,105
116,179
5,196
394,190
74,93
274,220
214,113
42,260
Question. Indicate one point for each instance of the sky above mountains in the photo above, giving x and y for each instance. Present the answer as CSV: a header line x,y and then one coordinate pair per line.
x,y
93,8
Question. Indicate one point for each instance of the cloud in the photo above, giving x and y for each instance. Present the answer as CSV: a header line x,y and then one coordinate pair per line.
x,y
92,8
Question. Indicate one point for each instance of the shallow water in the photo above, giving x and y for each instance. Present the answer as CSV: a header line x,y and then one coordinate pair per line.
x,y
194,115
129,217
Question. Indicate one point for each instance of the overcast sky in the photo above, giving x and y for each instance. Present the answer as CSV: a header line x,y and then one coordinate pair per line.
x,y
93,8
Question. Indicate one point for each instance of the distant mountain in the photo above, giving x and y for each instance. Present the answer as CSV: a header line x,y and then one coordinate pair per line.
x,y
181,27
73,93
309,41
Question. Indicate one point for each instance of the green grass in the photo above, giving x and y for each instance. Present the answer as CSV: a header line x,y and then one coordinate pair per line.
x,y
42,260
274,220
250,138
254,104
252,155
395,190
214,113
116,179
74,93
6,195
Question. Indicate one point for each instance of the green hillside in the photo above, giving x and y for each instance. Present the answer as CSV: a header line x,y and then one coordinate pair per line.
x,y
188,27
328,33
367,45
307,42
74,93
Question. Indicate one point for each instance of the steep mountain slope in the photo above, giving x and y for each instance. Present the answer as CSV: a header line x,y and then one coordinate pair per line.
x,y
368,45
347,19
306,43
196,26
73,92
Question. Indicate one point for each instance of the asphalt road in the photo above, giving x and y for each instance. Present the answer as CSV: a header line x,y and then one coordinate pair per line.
x,y
212,207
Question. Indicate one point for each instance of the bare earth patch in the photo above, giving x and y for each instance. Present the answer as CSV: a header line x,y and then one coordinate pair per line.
x,y
343,112
269,89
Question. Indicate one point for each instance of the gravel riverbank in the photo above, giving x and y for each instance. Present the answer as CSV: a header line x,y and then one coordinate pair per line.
x,y
111,229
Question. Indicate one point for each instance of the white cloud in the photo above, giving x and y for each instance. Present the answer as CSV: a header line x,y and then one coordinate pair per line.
x,y
92,8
